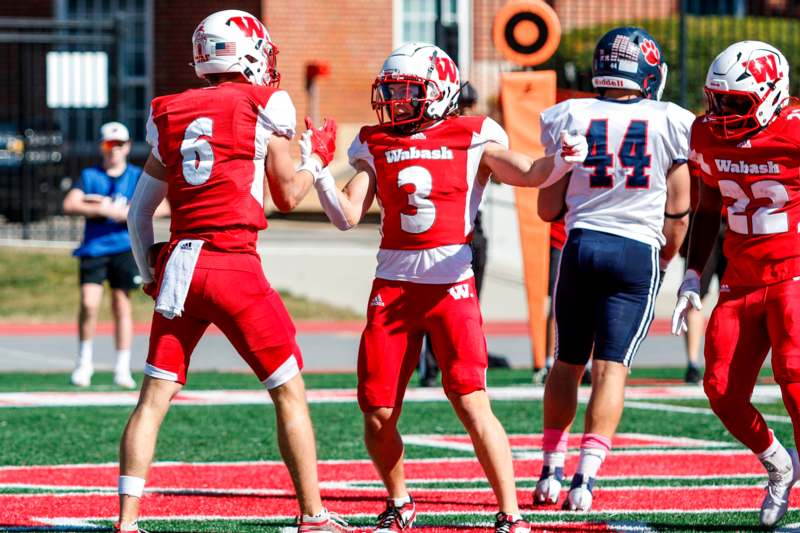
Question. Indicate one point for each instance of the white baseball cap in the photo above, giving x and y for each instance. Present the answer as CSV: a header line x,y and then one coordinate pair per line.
x,y
114,131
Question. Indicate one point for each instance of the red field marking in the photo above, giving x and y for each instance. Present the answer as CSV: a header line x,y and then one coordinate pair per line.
x,y
25,509
261,475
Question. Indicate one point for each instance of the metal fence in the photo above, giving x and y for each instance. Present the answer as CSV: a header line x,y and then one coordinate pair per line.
x,y
691,32
59,88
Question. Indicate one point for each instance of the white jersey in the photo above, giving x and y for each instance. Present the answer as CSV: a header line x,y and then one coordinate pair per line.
x,y
621,187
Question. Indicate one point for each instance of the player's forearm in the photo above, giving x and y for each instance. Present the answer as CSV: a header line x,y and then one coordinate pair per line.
x,y
702,235
337,206
516,169
288,193
675,230
150,192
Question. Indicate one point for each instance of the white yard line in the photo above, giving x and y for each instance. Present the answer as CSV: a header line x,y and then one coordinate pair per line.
x,y
259,397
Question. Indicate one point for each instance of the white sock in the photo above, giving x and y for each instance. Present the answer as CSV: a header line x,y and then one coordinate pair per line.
x,y
554,459
319,517
776,455
399,502
123,362
85,352
591,459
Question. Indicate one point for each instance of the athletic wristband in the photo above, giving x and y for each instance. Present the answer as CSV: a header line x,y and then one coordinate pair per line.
x,y
677,215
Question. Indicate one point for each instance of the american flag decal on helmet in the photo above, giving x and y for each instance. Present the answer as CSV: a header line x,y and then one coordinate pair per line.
x,y
225,49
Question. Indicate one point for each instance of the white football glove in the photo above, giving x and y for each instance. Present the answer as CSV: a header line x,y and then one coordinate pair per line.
x,y
574,148
688,297
308,163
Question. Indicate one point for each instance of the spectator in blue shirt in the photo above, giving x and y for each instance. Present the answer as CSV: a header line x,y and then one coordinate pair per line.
x,y
102,195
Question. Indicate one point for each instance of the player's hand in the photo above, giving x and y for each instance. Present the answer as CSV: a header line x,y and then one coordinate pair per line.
x,y
151,289
574,148
323,140
688,298
308,163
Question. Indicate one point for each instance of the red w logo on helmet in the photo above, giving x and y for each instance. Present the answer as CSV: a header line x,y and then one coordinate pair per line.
x,y
446,68
249,26
763,68
650,51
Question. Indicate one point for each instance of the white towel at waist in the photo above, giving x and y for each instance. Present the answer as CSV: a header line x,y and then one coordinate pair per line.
x,y
177,278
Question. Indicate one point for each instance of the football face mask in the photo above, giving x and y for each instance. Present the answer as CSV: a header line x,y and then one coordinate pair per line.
x,y
401,100
731,114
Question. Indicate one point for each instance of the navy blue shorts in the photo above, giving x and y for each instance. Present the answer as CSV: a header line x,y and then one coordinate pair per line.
x,y
605,297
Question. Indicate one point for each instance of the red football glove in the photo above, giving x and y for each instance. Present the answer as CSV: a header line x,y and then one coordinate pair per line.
x,y
323,140
151,289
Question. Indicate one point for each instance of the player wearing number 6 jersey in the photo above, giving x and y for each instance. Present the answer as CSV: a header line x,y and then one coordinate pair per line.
x,y
428,168
746,149
214,152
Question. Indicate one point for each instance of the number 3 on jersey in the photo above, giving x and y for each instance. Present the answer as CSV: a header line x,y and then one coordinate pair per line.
x,y
417,183
632,154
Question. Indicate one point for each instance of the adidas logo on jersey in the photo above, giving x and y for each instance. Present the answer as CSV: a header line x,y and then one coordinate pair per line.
x,y
745,144
742,167
397,155
418,136
377,301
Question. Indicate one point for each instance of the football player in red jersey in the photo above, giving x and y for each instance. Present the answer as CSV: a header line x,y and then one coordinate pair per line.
x,y
428,168
745,149
214,152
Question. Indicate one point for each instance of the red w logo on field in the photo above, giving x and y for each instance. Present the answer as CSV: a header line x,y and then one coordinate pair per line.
x,y
650,51
446,68
764,68
249,26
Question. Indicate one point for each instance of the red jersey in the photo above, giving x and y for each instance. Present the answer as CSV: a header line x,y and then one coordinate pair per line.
x,y
213,143
558,234
429,193
759,179
426,180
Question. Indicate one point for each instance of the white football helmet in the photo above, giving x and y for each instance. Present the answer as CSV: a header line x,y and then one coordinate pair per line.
x,y
418,83
235,41
746,86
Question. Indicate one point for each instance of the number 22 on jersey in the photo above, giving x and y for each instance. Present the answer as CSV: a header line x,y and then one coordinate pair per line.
x,y
764,220
632,155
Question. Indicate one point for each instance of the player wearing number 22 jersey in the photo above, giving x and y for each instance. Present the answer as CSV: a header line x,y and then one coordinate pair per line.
x,y
746,149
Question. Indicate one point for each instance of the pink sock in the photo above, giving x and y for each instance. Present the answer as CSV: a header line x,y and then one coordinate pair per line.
x,y
555,440
594,440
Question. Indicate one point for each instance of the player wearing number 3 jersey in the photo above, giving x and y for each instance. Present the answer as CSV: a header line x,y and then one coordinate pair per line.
x,y
428,169
746,149
214,152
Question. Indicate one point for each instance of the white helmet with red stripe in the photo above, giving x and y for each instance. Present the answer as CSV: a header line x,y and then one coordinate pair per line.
x,y
419,75
746,86
235,41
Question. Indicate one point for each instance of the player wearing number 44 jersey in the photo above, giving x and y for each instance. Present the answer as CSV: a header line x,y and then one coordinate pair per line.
x,y
214,152
746,149
428,168
627,210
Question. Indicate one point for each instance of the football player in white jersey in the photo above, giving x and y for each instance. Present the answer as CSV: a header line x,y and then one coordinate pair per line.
x,y
627,215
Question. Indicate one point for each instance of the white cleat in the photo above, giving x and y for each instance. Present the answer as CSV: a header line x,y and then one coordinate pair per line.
x,y
548,488
124,380
82,376
579,497
780,484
